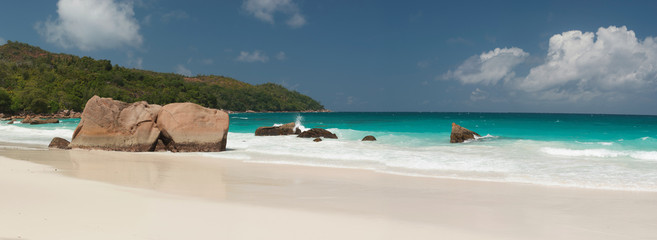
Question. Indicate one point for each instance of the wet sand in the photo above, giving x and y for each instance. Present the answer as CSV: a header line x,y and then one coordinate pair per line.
x,y
79,194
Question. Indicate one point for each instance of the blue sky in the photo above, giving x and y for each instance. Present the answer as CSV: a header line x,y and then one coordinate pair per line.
x,y
492,56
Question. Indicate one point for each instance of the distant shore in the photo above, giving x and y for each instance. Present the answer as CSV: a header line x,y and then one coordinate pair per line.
x,y
83,194
64,114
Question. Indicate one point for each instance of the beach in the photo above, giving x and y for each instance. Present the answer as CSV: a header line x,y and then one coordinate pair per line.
x,y
81,194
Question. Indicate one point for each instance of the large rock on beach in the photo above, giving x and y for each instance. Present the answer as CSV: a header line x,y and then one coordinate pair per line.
x,y
460,134
285,129
60,143
109,124
316,133
188,127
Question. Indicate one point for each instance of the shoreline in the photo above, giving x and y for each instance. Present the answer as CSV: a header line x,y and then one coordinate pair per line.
x,y
460,208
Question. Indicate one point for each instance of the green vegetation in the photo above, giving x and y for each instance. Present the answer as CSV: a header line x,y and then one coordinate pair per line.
x,y
37,81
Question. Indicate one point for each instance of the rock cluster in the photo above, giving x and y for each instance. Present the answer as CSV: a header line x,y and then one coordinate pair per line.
x,y
109,124
63,114
60,143
292,129
460,134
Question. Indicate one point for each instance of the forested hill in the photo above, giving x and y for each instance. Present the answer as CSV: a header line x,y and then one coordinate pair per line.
x,y
37,81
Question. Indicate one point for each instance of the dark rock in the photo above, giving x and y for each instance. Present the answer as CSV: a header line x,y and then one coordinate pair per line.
x,y
27,119
460,134
161,147
369,138
44,121
317,140
286,129
60,143
317,132
10,122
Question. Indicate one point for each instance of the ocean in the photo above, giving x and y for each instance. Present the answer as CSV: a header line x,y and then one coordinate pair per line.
x,y
613,152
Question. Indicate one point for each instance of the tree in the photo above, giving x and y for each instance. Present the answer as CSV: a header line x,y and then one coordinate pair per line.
x,y
5,101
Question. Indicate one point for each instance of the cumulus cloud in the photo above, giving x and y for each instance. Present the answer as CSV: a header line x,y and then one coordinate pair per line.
x,y
266,9
92,24
489,67
255,56
611,63
589,64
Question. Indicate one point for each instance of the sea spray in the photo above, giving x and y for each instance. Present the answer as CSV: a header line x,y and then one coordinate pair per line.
x,y
298,124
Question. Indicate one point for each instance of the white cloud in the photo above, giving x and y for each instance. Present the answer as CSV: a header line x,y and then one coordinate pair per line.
x,y
255,56
610,61
281,56
489,67
266,9
92,24
2,41
182,70
611,65
478,95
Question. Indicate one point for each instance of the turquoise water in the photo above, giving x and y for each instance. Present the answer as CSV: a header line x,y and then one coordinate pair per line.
x,y
631,132
616,152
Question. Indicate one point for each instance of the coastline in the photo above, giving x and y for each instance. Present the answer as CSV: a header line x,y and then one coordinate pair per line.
x,y
333,203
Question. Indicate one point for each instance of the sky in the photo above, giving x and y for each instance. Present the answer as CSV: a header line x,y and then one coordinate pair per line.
x,y
428,56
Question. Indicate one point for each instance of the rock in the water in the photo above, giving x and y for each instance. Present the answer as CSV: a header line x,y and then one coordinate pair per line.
x,y
44,121
317,140
27,119
108,124
188,127
317,132
286,129
460,134
60,143
10,122
369,138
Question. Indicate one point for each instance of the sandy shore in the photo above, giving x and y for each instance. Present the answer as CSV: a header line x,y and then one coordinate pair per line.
x,y
52,194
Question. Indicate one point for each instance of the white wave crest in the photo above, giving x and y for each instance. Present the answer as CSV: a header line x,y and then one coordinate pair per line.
x,y
600,153
17,134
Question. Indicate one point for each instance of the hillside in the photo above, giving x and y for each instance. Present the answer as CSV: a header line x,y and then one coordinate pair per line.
x,y
37,81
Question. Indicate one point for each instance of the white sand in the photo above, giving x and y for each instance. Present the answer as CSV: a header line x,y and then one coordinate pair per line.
x,y
111,195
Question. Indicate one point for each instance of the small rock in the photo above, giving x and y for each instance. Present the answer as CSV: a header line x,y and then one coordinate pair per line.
x,y
11,122
317,132
369,138
60,143
317,140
